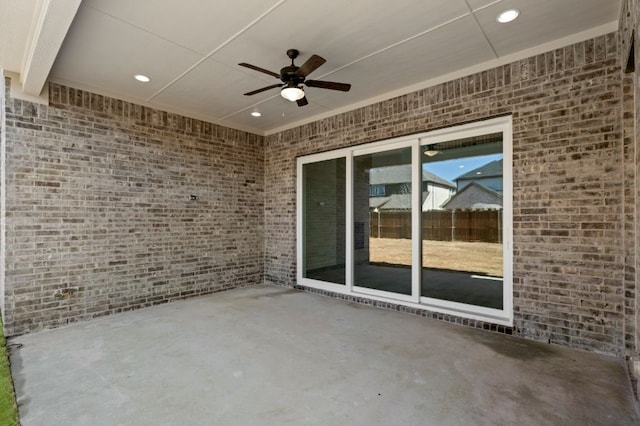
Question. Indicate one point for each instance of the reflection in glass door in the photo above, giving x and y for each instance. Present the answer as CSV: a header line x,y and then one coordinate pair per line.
x,y
423,221
382,188
462,221
324,211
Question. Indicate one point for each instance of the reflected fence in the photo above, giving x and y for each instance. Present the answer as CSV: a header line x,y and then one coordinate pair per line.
x,y
440,225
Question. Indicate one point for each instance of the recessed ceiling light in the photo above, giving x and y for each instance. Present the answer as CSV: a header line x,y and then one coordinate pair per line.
x,y
508,16
142,78
256,114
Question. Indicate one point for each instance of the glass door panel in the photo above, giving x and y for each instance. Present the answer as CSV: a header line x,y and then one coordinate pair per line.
x,y
324,219
462,253
382,255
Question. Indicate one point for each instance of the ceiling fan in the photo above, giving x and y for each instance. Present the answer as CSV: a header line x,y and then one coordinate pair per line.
x,y
293,77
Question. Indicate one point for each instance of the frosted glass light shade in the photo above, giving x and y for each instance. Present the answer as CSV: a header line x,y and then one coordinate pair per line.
x,y
292,93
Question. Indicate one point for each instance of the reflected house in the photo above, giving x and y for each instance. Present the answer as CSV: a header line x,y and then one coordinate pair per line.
x,y
390,189
476,207
489,176
468,210
474,196
479,189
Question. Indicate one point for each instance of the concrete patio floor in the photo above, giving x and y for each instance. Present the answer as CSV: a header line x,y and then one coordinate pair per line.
x,y
274,356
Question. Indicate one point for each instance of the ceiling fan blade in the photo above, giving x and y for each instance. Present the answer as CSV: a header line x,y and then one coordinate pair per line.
x,y
273,86
310,66
302,102
253,67
343,87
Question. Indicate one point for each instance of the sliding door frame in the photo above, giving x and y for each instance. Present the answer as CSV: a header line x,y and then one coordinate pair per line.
x,y
417,143
416,208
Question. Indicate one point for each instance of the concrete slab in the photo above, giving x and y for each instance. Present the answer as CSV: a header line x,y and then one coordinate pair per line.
x,y
274,356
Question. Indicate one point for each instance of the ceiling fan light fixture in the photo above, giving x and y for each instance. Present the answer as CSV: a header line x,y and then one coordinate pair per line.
x,y
431,151
292,93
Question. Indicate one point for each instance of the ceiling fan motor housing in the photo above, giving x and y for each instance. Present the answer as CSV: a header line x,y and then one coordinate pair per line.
x,y
289,75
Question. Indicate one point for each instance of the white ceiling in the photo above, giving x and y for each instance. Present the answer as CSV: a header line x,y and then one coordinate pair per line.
x,y
190,48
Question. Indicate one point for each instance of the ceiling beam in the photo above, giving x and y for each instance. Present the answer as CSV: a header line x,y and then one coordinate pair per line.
x,y
50,25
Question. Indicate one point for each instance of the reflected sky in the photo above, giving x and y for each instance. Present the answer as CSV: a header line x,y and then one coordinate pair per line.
x,y
451,169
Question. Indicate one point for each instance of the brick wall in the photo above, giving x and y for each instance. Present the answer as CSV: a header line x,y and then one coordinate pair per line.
x,y
568,193
629,176
629,235
630,54
98,212
636,117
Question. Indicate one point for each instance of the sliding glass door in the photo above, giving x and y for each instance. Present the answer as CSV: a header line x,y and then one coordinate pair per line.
x,y
422,221
382,198
462,234
323,218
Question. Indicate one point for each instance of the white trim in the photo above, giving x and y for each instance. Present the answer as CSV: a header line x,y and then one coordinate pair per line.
x,y
349,240
383,295
299,221
507,217
502,125
324,285
416,221
52,21
482,277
